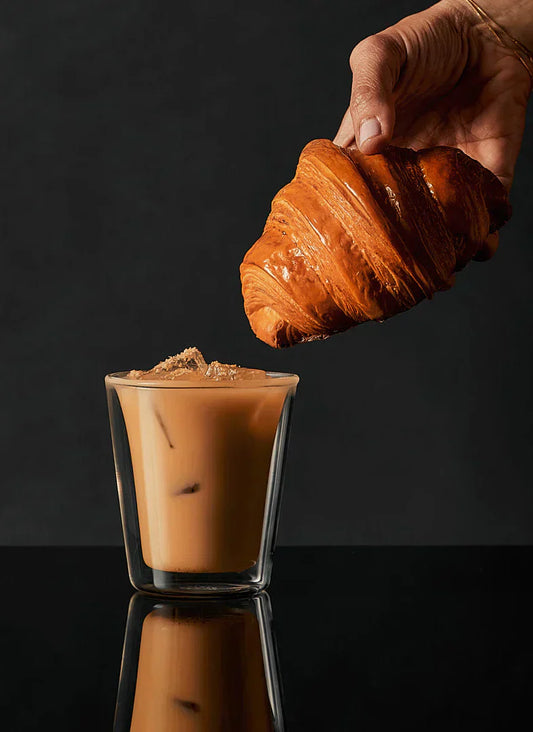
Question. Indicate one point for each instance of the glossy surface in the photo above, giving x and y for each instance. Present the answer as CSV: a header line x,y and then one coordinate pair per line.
x,y
368,638
354,238
198,666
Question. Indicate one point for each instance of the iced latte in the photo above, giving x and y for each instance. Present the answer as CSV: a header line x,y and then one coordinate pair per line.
x,y
201,441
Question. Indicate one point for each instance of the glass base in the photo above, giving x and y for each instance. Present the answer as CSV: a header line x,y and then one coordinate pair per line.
x,y
155,581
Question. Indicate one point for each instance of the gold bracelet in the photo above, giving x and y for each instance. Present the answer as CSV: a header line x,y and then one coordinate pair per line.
x,y
522,53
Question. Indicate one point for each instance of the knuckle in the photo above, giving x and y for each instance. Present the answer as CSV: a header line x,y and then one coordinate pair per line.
x,y
373,48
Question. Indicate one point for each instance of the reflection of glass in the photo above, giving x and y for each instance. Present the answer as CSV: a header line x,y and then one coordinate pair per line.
x,y
199,666
199,470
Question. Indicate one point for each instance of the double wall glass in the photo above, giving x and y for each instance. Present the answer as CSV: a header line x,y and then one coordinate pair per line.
x,y
199,468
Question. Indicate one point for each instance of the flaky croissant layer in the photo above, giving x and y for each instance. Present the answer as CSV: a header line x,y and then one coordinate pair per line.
x,y
355,237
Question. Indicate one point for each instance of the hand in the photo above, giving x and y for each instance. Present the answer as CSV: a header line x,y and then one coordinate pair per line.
x,y
438,78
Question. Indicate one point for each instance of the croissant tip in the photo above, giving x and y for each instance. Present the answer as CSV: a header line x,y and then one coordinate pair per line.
x,y
269,327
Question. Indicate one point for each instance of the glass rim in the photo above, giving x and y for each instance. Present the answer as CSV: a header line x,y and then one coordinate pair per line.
x,y
273,378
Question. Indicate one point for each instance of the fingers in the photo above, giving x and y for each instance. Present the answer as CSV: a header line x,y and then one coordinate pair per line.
x,y
376,64
345,136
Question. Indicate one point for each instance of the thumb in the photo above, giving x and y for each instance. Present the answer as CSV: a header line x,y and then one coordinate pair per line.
x,y
376,64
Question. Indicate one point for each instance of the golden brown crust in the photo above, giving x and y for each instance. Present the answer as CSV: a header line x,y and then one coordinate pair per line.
x,y
354,238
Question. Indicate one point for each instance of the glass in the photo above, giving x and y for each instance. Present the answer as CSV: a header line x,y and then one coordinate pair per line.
x,y
199,467
206,665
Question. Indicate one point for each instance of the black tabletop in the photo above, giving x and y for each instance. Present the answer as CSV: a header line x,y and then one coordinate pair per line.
x,y
368,638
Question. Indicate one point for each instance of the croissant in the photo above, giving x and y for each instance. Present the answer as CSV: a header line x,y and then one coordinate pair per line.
x,y
354,238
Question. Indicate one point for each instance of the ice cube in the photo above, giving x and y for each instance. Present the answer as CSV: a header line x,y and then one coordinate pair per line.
x,y
185,365
221,371
230,372
251,374
188,360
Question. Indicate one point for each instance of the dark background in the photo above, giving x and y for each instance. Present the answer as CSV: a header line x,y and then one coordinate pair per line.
x,y
141,144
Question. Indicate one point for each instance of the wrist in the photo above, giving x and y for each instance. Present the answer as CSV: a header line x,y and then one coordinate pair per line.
x,y
516,18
